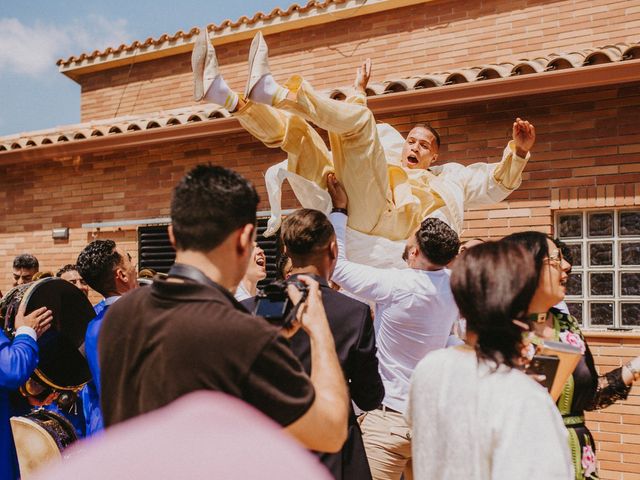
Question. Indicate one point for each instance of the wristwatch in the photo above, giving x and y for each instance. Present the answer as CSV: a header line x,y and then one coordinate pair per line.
x,y
339,210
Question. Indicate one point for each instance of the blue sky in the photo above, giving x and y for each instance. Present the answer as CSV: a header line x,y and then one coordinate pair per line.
x,y
34,34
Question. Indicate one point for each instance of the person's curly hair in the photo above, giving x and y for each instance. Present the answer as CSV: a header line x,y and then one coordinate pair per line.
x,y
437,241
96,264
69,267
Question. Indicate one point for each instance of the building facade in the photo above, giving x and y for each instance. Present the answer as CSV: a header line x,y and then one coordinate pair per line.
x,y
571,67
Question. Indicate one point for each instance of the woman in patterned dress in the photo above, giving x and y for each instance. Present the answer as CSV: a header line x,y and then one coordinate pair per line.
x,y
585,390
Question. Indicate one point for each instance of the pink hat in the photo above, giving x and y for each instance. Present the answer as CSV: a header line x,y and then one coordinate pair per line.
x,y
202,435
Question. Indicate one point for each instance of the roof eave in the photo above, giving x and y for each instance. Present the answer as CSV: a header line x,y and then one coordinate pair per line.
x,y
230,34
486,90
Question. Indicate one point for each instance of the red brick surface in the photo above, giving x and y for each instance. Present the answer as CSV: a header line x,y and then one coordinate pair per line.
x,y
426,38
581,159
586,155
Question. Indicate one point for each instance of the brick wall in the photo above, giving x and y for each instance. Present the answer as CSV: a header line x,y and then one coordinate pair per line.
x,y
427,38
616,429
586,155
587,148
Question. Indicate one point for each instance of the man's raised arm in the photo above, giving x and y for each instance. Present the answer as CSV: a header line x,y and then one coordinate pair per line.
x,y
367,282
508,173
486,183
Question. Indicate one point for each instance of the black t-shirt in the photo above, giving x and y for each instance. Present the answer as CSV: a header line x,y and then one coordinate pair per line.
x,y
160,342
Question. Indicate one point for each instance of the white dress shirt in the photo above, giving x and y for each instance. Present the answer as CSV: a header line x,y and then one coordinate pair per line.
x,y
414,313
242,293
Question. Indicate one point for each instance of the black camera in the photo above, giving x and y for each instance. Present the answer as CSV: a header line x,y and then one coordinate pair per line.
x,y
274,304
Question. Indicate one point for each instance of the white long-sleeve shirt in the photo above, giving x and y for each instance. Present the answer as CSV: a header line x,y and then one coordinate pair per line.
x,y
473,422
415,311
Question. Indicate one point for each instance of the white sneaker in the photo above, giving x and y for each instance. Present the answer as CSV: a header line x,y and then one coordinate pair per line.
x,y
204,65
258,62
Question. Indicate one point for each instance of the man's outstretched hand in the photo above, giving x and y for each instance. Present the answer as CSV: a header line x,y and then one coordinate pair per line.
x,y
524,135
362,76
337,192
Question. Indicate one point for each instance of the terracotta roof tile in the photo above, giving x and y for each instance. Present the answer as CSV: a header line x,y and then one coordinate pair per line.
x,y
212,28
199,113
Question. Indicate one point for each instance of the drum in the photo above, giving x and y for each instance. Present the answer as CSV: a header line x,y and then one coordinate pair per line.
x,y
40,437
62,364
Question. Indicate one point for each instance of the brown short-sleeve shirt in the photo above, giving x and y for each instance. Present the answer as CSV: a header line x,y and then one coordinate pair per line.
x,y
160,342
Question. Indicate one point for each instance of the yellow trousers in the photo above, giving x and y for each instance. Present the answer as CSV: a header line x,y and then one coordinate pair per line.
x,y
356,157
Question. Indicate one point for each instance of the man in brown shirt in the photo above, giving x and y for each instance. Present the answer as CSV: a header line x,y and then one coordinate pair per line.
x,y
188,333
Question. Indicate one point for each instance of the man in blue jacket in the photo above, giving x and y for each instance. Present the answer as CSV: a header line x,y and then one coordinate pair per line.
x,y
18,360
110,272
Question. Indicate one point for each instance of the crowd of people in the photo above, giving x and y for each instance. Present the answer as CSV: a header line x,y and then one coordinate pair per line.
x,y
379,372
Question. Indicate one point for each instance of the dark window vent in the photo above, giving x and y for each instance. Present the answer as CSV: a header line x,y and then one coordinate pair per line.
x,y
155,251
271,247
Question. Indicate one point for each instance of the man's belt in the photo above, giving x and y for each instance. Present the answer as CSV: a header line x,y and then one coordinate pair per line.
x,y
384,408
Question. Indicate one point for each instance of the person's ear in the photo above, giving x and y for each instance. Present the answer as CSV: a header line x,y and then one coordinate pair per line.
x,y
121,275
172,237
434,159
246,239
333,250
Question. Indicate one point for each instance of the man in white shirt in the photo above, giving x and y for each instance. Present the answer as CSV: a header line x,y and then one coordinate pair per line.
x,y
415,311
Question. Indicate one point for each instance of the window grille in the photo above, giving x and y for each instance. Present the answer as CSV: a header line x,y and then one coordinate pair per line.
x,y
604,286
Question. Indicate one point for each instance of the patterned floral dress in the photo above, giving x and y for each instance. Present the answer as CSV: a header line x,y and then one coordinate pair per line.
x,y
585,390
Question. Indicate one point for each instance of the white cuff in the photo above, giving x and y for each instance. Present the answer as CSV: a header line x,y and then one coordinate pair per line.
x,y
24,330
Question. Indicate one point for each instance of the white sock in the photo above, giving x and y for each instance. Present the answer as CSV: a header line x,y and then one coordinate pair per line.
x,y
220,93
268,91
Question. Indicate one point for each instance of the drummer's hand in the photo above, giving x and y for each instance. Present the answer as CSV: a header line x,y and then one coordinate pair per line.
x,y
40,319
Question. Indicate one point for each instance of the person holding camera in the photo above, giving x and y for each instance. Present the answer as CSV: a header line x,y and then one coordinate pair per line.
x,y
309,240
188,333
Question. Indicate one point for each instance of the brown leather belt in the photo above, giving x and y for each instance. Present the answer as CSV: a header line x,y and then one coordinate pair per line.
x,y
384,408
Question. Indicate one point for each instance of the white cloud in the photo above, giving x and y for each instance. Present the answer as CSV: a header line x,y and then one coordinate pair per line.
x,y
33,49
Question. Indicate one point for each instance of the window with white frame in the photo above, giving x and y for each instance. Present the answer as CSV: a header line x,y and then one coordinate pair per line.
x,y
604,286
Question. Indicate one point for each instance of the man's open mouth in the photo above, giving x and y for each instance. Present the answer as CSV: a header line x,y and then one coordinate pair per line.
x,y
412,160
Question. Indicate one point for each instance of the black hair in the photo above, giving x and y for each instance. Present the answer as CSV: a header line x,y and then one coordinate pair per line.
x,y
567,254
69,267
437,241
535,243
304,232
208,204
493,284
281,263
26,260
427,126
96,264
